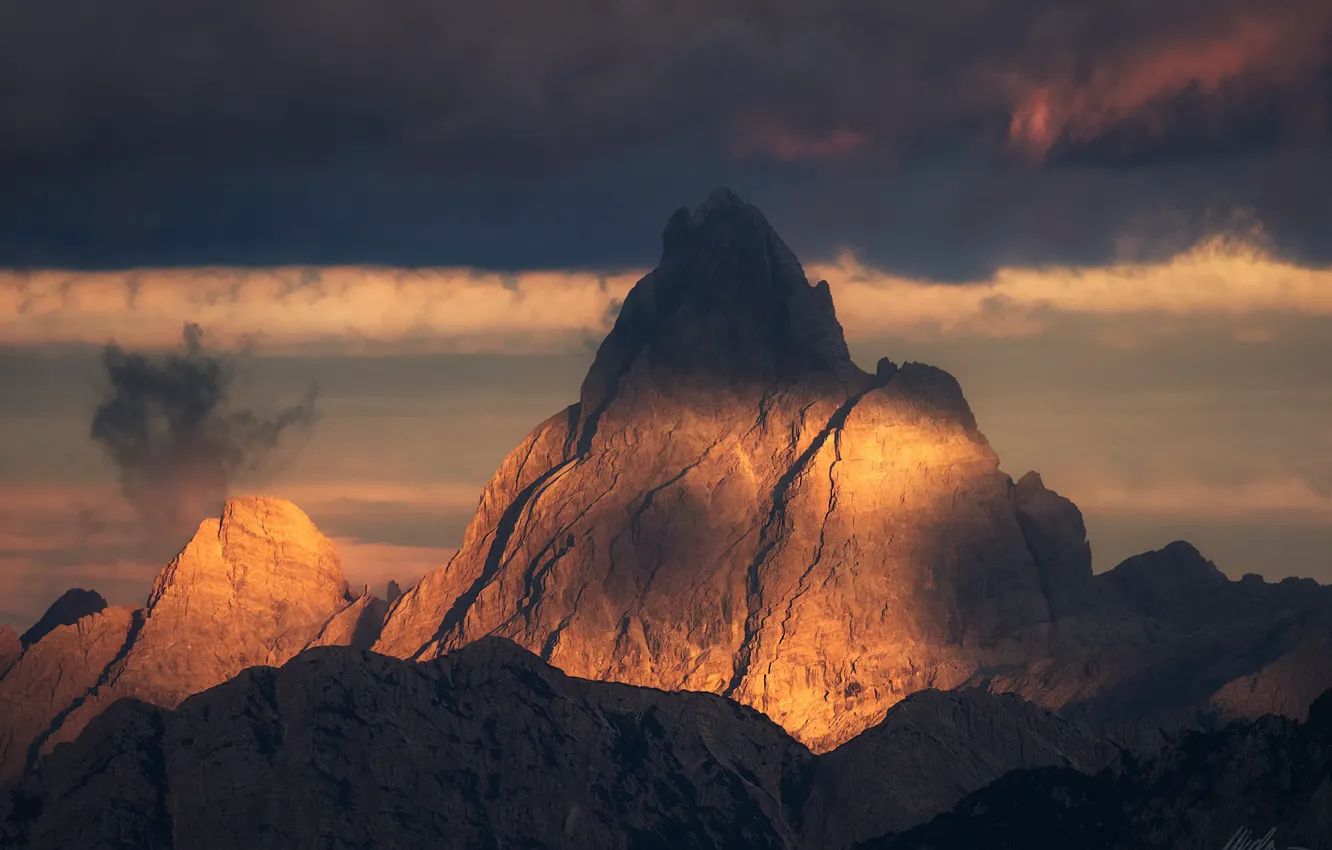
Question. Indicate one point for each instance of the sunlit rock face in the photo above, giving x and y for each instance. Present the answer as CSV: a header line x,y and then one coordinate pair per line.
x,y
254,587
73,605
734,506
51,676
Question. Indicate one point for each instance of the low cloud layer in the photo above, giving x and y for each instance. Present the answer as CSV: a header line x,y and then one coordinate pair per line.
x,y
178,437
370,310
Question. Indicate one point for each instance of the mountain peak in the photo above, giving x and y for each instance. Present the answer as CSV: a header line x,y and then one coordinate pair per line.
x,y
73,605
728,307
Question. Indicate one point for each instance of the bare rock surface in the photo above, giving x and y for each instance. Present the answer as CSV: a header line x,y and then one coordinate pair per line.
x,y
734,506
1165,642
73,605
51,677
254,587
357,624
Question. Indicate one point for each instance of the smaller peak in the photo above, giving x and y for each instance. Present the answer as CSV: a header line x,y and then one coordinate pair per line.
x,y
932,390
884,370
1031,481
73,605
493,652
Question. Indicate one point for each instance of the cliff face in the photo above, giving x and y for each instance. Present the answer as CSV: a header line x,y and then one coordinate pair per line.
x,y
51,677
72,606
733,506
252,588
488,746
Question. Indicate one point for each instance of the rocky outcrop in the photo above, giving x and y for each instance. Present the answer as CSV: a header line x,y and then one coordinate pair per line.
x,y
1165,641
73,605
356,625
254,587
1225,788
489,746
733,506
52,677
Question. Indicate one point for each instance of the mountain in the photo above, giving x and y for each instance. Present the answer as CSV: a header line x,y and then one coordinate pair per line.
x,y
488,746
734,506
1165,637
252,588
1206,790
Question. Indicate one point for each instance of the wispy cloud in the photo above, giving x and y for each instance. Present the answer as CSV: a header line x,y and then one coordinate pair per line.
x,y
369,310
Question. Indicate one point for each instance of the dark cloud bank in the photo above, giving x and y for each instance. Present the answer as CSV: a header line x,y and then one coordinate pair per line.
x,y
936,138
178,437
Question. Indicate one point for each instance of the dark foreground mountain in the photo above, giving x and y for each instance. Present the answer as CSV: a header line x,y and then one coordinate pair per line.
x,y
1270,778
490,747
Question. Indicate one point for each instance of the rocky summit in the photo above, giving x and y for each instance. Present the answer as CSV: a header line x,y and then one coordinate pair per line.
x,y
252,588
734,506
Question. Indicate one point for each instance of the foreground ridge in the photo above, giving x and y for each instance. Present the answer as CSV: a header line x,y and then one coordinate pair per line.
x,y
489,746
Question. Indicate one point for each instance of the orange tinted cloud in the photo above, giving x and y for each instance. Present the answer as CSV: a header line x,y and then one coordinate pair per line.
x,y
453,308
1284,497
1221,277
774,141
373,310
1252,51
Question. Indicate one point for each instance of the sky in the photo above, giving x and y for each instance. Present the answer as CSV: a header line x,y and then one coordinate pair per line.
x,y
401,228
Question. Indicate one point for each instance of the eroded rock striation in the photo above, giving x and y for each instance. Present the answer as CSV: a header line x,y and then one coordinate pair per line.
x,y
488,746
734,506
50,678
253,587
